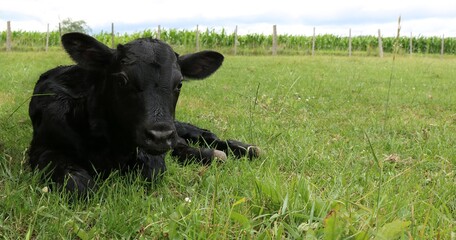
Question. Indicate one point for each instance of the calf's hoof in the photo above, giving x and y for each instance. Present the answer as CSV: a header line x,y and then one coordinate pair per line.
x,y
79,183
241,149
219,156
253,152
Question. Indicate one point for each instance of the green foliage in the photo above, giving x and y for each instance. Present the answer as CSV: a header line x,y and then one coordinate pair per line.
x,y
249,44
68,25
393,230
335,166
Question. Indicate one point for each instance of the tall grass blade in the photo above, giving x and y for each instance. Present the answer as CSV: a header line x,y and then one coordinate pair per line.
x,y
395,51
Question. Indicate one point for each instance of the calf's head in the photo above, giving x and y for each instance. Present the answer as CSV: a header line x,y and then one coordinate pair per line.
x,y
136,86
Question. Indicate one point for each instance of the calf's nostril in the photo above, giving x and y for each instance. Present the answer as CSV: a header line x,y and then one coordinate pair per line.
x,y
160,135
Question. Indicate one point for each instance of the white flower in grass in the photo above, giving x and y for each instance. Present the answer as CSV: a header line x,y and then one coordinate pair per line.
x,y
187,199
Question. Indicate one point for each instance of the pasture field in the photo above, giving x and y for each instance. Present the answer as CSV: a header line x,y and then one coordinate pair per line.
x,y
353,148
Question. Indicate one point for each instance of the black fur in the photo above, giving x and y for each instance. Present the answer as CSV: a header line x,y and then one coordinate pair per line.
x,y
114,110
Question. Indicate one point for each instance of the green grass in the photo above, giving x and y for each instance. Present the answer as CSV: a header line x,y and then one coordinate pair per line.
x,y
339,162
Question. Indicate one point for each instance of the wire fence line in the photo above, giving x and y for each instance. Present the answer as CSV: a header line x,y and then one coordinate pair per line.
x,y
249,44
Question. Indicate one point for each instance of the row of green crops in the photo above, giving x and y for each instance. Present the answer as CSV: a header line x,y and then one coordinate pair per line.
x,y
248,44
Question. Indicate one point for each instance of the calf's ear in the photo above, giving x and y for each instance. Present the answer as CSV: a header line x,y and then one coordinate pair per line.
x,y
86,51
201,64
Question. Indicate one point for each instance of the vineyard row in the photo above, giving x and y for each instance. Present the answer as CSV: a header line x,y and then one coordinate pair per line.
x,y
247,44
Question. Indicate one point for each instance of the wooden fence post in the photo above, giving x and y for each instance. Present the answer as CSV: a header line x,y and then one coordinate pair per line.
x,y
197,39
47,38
8,36
380,44
60,31
411,44
158,32
274,40
112,35
442,49
350,42
313,42
235,40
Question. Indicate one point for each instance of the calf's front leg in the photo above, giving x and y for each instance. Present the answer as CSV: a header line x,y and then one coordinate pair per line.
x,y
63,170
193,134
187,154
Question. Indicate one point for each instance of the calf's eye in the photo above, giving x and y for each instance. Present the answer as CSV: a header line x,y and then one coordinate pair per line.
x,y
121,78
178,86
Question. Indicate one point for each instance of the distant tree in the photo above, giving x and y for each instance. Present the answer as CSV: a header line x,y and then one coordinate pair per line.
x,y
68,25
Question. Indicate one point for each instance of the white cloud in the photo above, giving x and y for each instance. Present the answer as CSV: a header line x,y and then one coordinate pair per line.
x,y
255,16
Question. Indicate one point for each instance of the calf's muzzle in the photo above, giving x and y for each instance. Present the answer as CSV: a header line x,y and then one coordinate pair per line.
x,y
160,137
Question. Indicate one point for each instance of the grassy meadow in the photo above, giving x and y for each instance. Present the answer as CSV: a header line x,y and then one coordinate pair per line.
x,y
353,148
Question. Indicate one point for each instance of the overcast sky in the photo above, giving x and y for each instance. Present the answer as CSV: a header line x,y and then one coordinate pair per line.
x,y
297,17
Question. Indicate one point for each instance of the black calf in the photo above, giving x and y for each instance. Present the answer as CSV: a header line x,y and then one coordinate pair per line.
x,y
114,110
